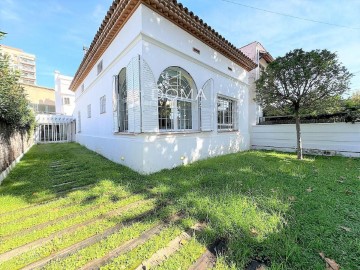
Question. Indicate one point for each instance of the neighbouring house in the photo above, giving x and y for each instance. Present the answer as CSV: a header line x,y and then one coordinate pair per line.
x,y
159,88
58,126
64,97
256,52
42,99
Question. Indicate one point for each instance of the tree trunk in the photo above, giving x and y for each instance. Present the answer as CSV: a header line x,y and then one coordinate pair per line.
x,y
298,136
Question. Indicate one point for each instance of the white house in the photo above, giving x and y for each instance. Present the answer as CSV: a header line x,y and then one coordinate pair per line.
x,y
159,88
64,97
256,52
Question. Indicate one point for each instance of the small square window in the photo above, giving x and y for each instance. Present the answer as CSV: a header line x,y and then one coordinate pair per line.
x,y
103,104
99,67
89,111
66,101
82,88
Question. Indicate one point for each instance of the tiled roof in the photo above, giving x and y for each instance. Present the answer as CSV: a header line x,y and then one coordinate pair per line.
x,y
251,49
121,10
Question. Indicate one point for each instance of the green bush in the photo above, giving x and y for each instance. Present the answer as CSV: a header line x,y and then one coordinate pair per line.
x,y
352,108
14,107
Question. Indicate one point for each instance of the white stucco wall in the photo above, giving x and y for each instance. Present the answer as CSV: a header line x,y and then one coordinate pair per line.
x,y
62,91
160,44
338,138
160,31
255,111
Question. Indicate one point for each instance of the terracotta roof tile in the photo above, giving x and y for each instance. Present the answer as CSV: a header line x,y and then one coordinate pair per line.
x,y
121,10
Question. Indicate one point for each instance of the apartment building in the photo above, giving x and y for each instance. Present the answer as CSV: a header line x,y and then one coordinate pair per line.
x,y
22,61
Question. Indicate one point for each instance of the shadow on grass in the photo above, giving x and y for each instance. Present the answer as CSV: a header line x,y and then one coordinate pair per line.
x,y
265,204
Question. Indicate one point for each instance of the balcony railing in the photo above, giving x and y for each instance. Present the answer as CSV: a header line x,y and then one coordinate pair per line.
x,y
26,60
27,67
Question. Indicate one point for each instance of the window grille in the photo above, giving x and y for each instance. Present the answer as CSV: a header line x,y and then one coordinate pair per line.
x,y
123,114
177,105
226,111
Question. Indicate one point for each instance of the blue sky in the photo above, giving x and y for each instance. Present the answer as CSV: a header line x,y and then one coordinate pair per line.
x,y
56,30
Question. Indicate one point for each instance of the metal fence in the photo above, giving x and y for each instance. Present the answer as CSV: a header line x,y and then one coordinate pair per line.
x,y
54,128
345,117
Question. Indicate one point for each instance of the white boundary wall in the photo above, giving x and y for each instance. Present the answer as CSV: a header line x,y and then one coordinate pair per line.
x,y
328,139
6,172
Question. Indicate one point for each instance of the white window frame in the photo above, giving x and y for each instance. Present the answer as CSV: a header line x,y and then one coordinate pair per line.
x,y
103,104
223,119
122,101
171,96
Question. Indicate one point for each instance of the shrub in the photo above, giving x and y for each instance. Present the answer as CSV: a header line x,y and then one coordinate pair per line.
x,y
14,107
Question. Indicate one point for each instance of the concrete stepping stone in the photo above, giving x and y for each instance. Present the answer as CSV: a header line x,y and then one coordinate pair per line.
x,y
174,245
40,204
37,243
78,246
65,183
206,261
48,223
85,187
129,245
24,217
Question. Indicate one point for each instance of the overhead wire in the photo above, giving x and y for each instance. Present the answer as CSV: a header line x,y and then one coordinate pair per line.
x,y
289,15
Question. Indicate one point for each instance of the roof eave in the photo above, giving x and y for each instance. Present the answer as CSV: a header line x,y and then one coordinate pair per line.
x,y
121,10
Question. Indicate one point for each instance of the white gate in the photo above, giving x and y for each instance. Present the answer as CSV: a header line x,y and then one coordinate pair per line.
x,y
52,128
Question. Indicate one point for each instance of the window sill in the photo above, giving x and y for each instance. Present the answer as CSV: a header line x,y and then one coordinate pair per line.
x,y
227,131
179,132
162,133
126,133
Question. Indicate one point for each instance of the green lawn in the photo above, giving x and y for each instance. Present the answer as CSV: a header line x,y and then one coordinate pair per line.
x,y
262,205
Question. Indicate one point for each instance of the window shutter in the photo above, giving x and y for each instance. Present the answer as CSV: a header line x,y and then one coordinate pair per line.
x,y
133,97
206,106
149,99
115,86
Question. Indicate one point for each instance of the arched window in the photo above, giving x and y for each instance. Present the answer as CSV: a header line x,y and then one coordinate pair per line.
x,y
177,104
122,102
